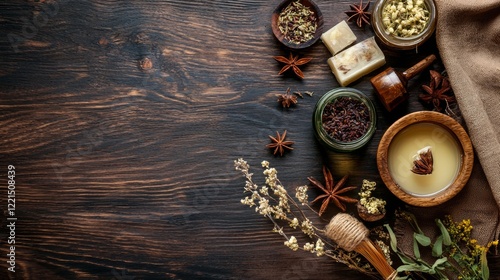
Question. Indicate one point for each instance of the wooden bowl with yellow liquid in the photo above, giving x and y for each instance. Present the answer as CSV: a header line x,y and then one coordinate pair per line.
x,y
425,158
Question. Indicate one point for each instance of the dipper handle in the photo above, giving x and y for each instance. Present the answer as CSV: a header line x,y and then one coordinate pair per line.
x,y
417,68
352,235
376,257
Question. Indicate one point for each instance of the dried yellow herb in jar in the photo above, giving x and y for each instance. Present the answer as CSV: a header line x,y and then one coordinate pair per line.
x,y
405,18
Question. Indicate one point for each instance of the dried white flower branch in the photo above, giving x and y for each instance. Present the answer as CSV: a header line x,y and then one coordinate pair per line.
x,y
273,202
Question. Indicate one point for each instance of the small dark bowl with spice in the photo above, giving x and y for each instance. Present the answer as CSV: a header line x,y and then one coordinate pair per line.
x,y
297,24
344,119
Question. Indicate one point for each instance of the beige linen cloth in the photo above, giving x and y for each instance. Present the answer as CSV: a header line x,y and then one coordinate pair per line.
x,y
468,39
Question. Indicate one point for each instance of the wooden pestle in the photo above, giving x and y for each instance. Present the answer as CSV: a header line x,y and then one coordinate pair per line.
x,y
390,84
350,234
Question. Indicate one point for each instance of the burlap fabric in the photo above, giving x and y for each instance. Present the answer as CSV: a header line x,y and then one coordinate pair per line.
x,y
468,39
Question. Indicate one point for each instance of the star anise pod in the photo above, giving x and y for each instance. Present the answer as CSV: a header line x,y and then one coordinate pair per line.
x,y
437,91
286,100
279,144
359,13
423,162
292,62
332,192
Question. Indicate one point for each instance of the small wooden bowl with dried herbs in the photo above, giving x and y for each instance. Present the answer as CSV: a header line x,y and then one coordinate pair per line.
x,y
297,24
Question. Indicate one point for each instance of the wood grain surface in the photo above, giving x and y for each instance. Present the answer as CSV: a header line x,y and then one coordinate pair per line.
x,y
123,118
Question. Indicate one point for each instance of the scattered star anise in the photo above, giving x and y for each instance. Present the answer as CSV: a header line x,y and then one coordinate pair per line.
x,y
423,162
332,192
438,90
286,100
359,13
292,62
279,144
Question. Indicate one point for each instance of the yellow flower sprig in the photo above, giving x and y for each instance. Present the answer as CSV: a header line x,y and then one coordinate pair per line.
x,y
466,251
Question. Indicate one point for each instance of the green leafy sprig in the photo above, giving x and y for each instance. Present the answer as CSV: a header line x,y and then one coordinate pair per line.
x,y
454,252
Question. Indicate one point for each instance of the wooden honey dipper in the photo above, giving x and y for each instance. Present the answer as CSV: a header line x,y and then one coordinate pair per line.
x,y
351,235
390,84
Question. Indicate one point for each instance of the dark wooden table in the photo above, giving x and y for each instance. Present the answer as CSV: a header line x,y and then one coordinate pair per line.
x,y
123,118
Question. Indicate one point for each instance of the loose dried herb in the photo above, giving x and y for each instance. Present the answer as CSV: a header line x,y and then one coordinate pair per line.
x,y
297,23
346,119
299,94
310,93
